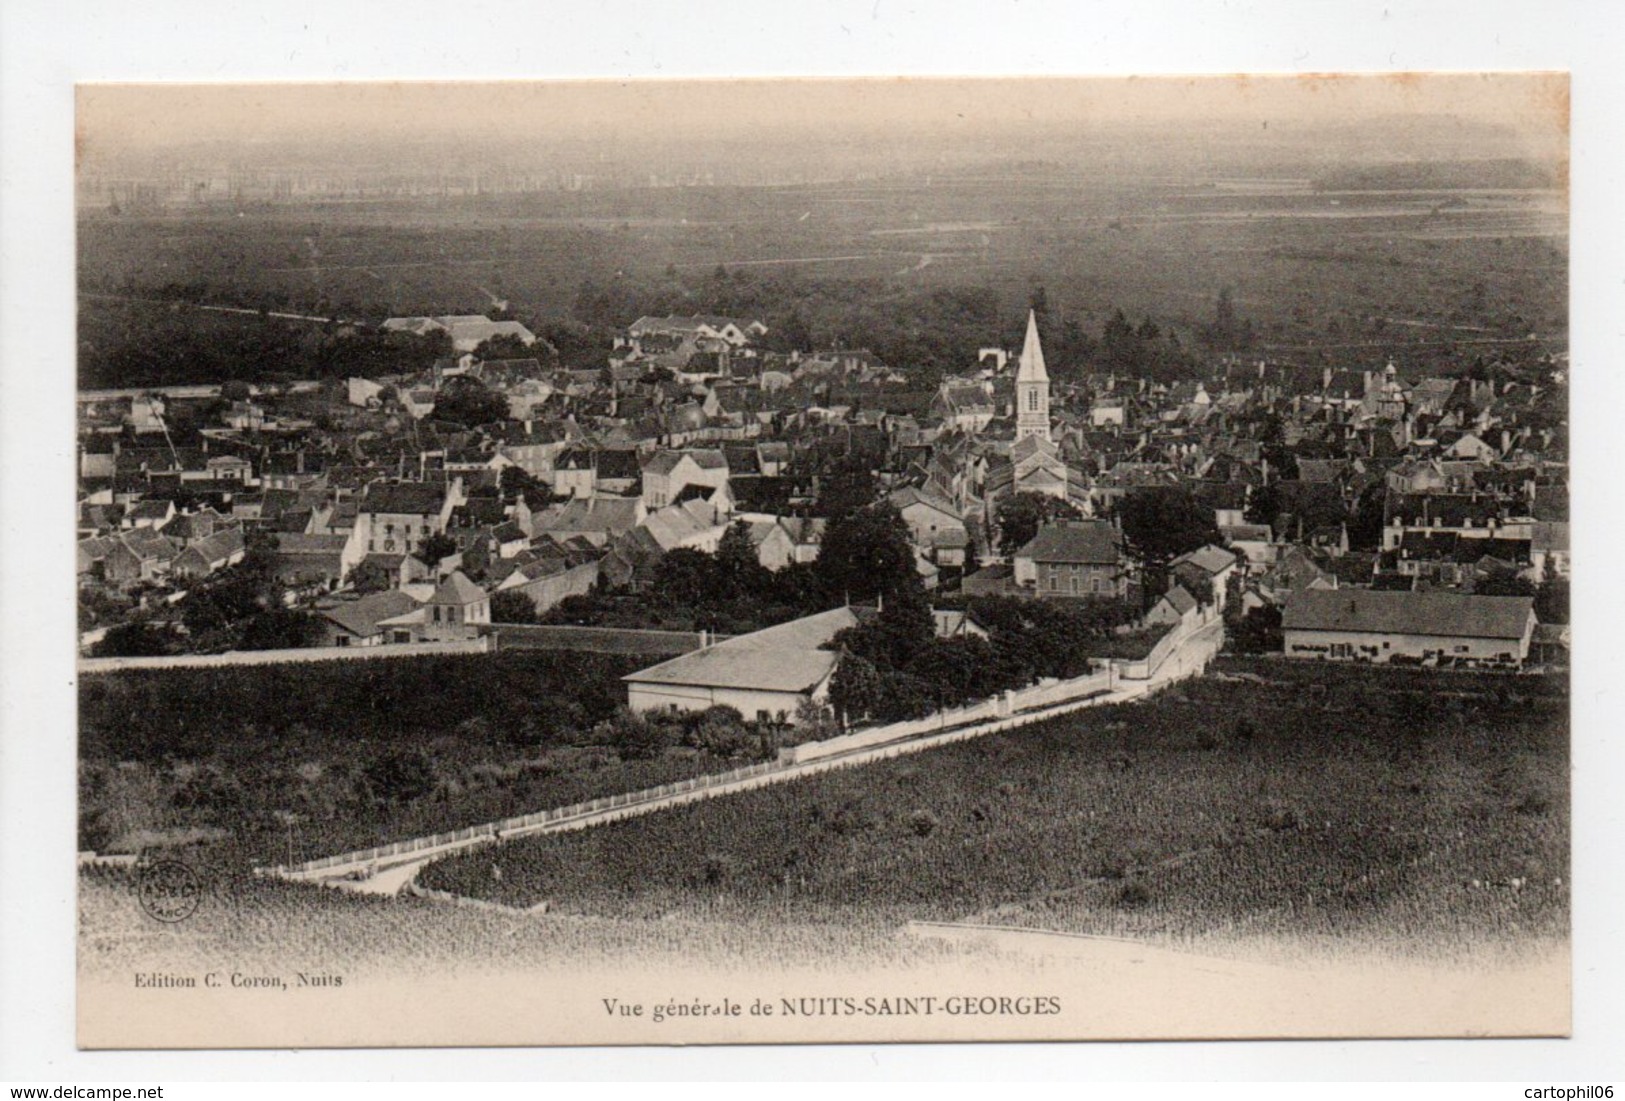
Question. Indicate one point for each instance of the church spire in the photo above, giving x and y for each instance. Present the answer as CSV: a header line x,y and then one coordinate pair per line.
x,y
1032,386
1032,354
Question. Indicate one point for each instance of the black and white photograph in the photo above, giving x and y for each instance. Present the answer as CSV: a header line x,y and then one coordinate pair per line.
x,y
781,561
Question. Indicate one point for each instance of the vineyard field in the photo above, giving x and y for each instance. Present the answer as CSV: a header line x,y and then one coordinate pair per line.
x,y
1284,804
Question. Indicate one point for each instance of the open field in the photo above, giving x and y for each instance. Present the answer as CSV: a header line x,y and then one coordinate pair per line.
x,y
1398,812
243,922
1308,266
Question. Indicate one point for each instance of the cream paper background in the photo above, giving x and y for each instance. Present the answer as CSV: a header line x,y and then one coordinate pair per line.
x,y
36,882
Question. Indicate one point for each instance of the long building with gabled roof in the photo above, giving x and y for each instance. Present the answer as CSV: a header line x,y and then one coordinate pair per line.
x,y
1381,626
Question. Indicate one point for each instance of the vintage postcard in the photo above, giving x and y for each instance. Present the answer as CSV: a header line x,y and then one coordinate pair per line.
x,y
781,561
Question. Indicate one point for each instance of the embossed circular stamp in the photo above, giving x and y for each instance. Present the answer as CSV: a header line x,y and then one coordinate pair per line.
x,y
168,890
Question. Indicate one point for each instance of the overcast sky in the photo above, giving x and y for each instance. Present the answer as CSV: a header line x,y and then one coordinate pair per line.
x,y
1533,108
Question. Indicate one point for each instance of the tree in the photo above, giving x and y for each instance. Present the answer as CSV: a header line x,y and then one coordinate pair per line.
x,y
814,722
1552,601
1365,527
868,554
1073,347
137,640
503,346
511,606
578,345
905,626
468,401
1021,515
438,547
516,481
1258,631
635,736
855,689
964,668
372,577
1200,587
686,577
1265,505
1119,347
849,488
1159,525
476,560
281,629
218,604
740,572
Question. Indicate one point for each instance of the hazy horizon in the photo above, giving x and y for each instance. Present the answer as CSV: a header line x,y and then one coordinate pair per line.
x,y
788,130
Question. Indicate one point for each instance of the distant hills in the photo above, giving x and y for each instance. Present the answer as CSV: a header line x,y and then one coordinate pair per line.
x,y
1440,175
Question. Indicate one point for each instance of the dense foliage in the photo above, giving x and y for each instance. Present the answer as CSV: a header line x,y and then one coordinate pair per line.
x,y
1161,524
169,342
138,640
467,401
366,751
895,667
865,555
1020,516
242,712
508,606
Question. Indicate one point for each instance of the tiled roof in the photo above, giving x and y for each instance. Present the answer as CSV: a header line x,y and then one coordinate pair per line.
x,y
597,514
219,546
288,542
361,617
145,543
1181,600
1090,542
457,589
1210,559
403,498
785,658
1433,614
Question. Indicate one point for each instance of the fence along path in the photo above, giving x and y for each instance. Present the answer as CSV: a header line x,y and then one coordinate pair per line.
x,y
1194,648
88,666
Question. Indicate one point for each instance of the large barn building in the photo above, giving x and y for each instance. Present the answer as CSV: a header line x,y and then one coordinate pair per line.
x,y
765,675
1435,627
